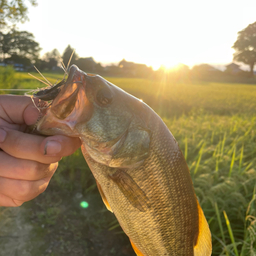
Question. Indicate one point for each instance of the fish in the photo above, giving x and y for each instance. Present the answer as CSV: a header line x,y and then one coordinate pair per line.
x,y
140,171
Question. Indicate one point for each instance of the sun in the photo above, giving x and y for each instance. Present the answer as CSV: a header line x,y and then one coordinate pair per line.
x,y
172,67
167,62
165,66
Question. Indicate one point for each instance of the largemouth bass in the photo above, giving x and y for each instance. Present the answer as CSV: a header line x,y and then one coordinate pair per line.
x,y
140,171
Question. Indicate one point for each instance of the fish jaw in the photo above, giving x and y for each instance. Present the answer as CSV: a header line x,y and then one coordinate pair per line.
x,y
70,107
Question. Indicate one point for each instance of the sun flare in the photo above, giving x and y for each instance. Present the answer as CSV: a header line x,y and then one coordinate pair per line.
x,y
169,60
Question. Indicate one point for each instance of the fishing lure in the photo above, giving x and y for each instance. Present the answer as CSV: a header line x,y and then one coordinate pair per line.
x,y
49,93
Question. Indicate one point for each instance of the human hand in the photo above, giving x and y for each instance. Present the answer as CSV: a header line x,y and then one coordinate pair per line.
x,y
27,161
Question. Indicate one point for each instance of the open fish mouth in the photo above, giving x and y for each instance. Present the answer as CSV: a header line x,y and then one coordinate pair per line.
x,y
61,103
50,93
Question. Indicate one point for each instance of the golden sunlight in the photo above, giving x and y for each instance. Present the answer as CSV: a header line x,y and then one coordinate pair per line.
x,y
171,68
167,62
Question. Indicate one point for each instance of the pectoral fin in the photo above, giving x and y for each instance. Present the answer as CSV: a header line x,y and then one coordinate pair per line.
x,y
104,199
203,245
131,190
137,251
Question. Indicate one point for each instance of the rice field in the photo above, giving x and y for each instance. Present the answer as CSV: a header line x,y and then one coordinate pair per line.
x,y
215,126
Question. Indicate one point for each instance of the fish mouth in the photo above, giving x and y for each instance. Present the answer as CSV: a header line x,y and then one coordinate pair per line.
x,y
67,106
65,101
74,72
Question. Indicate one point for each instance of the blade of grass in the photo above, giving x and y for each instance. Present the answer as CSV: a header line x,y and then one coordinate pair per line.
x,y
114,226
232,162
186,148
216,154
221,228
231,233
241,158
247,132
223,143
199,158
247,167
246,231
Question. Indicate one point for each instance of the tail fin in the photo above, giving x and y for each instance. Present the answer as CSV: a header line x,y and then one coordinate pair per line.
x,y
203,246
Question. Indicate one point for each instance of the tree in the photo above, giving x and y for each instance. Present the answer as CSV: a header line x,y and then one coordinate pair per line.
x,y
86,64
52,58
13,11
18,60
54,54
67,54
19,43
41,64
245,46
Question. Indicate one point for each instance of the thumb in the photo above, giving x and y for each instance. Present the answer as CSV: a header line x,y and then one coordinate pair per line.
x,y
31,113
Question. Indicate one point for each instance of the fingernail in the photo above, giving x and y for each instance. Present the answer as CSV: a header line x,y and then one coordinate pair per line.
x,y
52,147
2,135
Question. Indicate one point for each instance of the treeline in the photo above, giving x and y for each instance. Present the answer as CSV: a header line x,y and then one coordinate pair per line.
x,y
19,50
232,73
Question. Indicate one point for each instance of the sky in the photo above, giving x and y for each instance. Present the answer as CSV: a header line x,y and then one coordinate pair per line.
x,y
160,32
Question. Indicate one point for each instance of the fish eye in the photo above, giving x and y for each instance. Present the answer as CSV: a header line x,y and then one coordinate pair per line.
x,y
104,96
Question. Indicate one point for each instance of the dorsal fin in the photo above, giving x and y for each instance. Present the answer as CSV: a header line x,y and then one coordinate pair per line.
x,y
104,199
137,251
203,246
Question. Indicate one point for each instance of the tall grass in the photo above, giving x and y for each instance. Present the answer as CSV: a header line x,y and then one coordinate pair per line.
x,y
225,174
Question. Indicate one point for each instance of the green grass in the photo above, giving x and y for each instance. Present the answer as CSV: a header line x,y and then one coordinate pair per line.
x,y
215,125
223,171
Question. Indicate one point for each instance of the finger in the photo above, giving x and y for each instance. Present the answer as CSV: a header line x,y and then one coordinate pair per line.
x,y
9,202
22,169
60,145
18,109
23,190
25,146
19,127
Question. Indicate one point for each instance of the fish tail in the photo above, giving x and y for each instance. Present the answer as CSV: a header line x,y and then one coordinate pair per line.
x,y
203,246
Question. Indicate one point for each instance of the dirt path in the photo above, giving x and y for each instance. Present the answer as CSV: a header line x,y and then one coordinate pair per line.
x,y
54,224
15,232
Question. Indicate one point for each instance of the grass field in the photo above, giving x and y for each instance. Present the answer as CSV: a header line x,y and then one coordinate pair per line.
x,y
215,125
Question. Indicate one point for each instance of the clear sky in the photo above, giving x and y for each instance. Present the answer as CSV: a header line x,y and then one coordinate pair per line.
x,y
159,32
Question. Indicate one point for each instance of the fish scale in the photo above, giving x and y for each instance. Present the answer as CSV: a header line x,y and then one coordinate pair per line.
x,y
140,171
